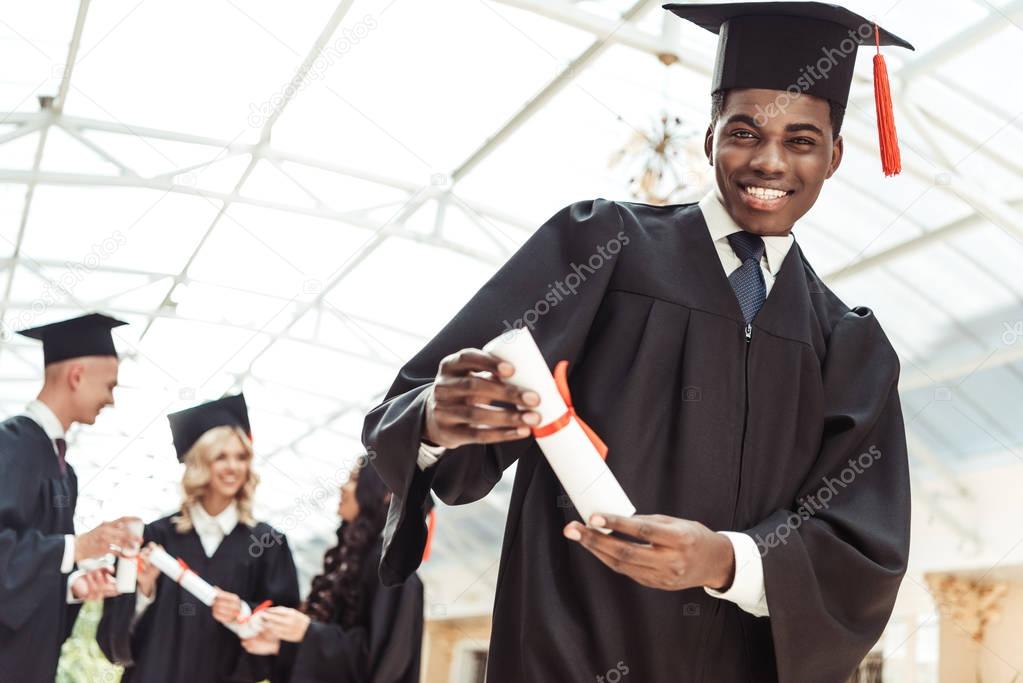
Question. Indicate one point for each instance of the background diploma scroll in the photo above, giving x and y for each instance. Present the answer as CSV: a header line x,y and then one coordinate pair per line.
x,y
249,623
574,458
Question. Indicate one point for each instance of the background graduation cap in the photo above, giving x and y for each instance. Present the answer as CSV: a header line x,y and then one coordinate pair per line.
x,y
810,46
88,335
188,425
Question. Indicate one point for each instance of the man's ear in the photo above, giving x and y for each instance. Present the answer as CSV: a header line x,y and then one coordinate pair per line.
x,y
75,375
708,144
837,152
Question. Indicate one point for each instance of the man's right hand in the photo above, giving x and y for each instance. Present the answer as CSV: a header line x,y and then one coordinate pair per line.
x,y
460,407
98,542
148,573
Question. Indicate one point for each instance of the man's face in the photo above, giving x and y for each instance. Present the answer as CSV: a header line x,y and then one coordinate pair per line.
x,y
93,385
770,169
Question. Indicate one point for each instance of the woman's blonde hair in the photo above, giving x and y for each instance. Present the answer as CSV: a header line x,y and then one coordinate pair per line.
x,y
196,481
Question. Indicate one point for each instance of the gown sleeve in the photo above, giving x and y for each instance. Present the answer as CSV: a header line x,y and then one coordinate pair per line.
x,y
833,564
387,650
553,284
113,634
279,584
29,560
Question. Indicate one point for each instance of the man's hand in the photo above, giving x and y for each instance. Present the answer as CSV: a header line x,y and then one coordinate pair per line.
x,y
147,573
674,553
285,623
107,537
460,407
260,645
97,584
226,607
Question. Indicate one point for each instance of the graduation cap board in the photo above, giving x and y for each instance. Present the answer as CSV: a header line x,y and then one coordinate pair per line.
x,y
188,425
88,335
798,47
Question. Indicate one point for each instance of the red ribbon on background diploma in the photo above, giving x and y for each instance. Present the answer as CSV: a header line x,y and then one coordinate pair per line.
x,y
561,380
184,570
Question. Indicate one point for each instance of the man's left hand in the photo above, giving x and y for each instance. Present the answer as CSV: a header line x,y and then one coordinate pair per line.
x,y
96,584
673,553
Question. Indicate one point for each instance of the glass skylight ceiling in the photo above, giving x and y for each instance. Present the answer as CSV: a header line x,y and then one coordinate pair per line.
x,y
292,201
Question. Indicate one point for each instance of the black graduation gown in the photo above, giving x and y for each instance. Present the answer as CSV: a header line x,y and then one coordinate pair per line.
x,y
177,640
383,647
702,425
37,508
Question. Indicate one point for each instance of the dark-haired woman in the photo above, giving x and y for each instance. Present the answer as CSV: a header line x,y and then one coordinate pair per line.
x,y
351,628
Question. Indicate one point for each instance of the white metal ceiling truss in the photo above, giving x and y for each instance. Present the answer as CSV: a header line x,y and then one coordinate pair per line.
x,y
915,84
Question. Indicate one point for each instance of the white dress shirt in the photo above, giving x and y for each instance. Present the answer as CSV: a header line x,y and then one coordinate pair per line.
x,y
40,413
747,589
211,529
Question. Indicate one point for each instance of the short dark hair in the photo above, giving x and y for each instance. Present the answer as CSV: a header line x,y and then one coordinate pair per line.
x,y
717,105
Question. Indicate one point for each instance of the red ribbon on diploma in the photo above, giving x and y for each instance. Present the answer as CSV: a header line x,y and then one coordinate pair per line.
x,y
259,608
561,380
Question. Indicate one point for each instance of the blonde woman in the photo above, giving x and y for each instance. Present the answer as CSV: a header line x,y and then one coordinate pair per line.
x,y
163,634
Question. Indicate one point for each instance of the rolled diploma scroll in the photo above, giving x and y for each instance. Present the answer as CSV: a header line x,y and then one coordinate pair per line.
x,y
127,567
249,624
585,476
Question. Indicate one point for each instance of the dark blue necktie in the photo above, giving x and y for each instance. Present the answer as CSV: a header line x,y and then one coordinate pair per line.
x,y
748,280
61,452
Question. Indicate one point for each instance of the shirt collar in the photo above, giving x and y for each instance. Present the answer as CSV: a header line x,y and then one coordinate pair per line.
x,y
225,521
721,225
41,414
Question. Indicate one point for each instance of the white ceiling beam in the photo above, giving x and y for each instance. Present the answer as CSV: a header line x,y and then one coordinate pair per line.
x,y
168,313
19,131
614,31
36,120
72,56
26,208
605,39
936,236
950,374
995,21
94,148
297,81
33,178
957,185
982,147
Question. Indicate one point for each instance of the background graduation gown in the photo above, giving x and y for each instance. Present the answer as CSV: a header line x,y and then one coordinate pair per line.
x,y
383,647
177,640
701,425
37,507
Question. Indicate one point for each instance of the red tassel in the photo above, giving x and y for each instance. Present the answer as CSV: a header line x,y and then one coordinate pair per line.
x,y
891,158
431,523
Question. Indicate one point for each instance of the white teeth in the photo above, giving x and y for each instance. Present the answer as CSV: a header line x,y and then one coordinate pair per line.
x,y
765,193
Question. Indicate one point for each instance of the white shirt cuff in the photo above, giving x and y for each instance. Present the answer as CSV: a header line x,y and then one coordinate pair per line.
x,y
142,603
71,599
747,589
68,563
428,455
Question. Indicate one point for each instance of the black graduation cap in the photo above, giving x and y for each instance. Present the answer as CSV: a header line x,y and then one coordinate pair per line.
x,y
190,424
88,335
800,47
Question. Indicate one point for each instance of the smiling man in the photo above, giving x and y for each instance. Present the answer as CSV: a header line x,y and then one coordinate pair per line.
x,y
40,594
752,417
